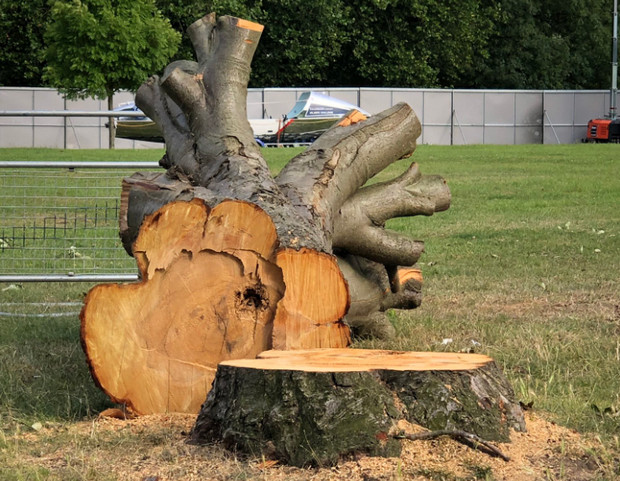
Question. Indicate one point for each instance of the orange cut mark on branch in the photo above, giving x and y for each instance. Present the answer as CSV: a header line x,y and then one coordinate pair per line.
x,y
404,274
257,27
351,118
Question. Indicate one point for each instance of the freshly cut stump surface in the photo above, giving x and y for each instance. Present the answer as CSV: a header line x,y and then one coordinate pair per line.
x,y
314,406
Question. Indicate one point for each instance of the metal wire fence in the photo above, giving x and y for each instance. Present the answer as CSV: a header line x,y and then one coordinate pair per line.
x,y
62,221
59,221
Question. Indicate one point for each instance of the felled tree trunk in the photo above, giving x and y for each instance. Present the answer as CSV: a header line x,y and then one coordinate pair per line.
x,y
327,255
314,406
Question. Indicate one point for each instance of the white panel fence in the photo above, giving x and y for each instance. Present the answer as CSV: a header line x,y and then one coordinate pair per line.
x,y
448,116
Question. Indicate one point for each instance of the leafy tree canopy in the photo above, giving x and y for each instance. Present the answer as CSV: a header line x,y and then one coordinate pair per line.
x,y
416,43
97,47
522,44
21,42
181,14
302,43
550,44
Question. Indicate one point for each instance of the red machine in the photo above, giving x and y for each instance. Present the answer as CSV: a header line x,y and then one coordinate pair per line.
x,y
608,129
603,130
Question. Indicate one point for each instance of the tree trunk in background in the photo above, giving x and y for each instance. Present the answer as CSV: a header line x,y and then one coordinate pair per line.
x,y
111,122
234,261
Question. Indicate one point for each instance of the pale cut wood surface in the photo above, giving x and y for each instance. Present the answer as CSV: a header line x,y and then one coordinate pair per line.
x,y
403,274
212,282
167,232
158,353
353,360
193,226
314,303
208,293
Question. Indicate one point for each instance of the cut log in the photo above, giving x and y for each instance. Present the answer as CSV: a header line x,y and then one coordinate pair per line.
x,y
214,287
278,262
311,312
208,294
314,406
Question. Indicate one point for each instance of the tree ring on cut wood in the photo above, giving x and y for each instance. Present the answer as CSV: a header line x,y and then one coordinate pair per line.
x,y
208,292
314,406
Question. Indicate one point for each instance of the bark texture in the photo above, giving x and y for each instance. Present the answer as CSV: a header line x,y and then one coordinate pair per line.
x,y
312,407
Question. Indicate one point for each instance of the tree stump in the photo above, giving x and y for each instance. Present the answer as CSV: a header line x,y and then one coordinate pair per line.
x,y
234,261
314,406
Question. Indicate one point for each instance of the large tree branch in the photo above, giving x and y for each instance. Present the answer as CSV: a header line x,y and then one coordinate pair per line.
x,y
153,101
366,212
200,35
214,146
321,179
215,99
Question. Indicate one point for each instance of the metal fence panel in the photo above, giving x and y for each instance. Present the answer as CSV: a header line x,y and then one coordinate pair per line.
x,y
499,135
589,105
437,127
469,108
348,95
559,108
62,222
375,100
528,117
16,131
415,98
528,135
467,118
499,108
278,102
46,130
447,116
255,104
499,118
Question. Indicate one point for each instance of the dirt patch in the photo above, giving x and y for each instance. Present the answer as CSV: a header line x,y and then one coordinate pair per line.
x,y
153,448
543,307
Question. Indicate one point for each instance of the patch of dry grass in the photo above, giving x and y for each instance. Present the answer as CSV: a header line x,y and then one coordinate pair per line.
x,y
154,447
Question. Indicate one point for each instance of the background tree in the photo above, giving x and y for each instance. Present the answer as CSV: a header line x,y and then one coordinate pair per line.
x,y
21,42
98,47
553,44
302,44
521,44
415,43
420,43
181,14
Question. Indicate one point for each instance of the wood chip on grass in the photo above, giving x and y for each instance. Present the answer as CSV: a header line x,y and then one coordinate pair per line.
x,y
155,446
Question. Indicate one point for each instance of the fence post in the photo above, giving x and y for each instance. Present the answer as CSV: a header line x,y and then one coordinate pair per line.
x,y
452,114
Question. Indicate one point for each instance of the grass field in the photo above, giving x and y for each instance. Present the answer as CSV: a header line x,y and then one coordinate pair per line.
x,y
523,267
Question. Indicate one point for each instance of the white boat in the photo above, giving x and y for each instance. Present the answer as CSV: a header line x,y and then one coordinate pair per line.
x,y
312,114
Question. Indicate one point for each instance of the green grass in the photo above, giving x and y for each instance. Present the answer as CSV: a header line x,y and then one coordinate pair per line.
x,y
84,155
525,262
524,267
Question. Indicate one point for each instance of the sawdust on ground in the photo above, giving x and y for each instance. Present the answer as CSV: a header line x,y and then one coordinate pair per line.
x,y
545,451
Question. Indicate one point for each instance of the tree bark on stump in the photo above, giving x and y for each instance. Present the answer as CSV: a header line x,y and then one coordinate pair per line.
x,y
274,263
314,406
